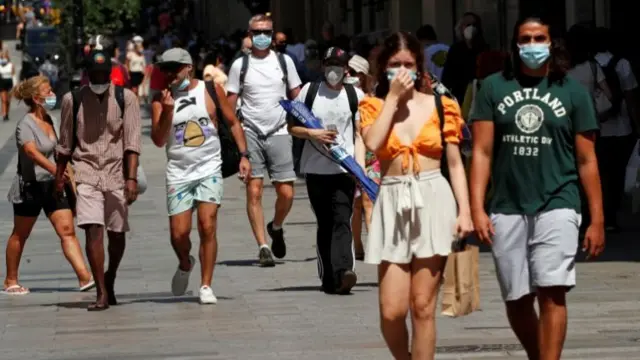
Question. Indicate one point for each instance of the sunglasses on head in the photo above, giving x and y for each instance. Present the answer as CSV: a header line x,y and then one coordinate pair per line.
x,y
261,32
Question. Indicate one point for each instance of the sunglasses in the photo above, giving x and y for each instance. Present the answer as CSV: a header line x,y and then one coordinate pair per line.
x,y
261,32
352,72
170,67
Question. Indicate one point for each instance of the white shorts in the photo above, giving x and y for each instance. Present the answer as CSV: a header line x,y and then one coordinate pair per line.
x,y
532,251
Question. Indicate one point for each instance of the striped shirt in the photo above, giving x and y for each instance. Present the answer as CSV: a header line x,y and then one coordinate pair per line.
x,y
102,139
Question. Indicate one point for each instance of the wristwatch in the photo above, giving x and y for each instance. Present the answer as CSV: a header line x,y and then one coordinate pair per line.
x,y
245,154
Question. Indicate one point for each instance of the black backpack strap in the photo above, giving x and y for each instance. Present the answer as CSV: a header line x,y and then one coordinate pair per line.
x,y
352,95
444,168
211,89
243,72
312,92
119,94
285,71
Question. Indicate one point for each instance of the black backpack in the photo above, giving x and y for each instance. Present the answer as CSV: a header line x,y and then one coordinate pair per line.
x,y
229,151
312,92
76,96
613,82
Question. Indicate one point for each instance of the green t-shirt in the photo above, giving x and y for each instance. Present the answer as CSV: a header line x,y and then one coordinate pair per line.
x,y
534,162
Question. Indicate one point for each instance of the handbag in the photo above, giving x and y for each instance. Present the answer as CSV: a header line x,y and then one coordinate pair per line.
x,y
461,282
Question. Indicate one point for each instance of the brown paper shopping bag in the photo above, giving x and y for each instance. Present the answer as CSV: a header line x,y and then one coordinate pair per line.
x,y
461,284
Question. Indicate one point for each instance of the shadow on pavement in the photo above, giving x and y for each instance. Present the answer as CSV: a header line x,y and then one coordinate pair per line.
x,y
316,288
255,262
49,290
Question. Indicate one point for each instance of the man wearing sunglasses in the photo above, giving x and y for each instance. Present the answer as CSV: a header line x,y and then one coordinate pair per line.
x,y
184,120
261,79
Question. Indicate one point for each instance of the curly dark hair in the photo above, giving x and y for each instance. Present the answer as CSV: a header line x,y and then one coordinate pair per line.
x,y
396,42
558,62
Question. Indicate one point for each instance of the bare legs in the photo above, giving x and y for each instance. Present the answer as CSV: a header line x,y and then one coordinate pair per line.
x,y
62,221
180,225
95,253
255,212
542,338
414,287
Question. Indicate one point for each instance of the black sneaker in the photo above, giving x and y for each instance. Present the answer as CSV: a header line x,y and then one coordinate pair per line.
x,y
347,282
6,118
266,258
278,246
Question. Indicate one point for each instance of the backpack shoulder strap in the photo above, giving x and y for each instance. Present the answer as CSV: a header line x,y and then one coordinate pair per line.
x,y
352,95
243,71
312,92
119,93
211,89
285,70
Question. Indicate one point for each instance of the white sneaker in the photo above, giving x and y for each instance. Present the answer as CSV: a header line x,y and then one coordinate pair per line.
x,y
206,295
180,281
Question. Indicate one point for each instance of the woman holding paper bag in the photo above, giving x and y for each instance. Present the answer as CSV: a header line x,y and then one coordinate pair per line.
x,y
416,217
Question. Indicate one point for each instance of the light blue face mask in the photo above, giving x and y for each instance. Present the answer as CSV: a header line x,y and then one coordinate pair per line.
x,y
534,55
50,102
392,72
183,85
3,61
261,41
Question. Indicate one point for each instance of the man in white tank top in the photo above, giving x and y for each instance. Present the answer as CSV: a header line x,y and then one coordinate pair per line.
x,y
183,121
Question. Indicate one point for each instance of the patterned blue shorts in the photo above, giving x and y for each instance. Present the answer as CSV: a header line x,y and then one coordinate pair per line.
x,y
186,196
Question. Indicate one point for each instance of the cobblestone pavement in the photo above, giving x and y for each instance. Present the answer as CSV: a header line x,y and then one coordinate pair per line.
x,y
275,313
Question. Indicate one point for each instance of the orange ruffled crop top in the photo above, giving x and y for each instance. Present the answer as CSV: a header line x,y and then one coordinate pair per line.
x,y
427,143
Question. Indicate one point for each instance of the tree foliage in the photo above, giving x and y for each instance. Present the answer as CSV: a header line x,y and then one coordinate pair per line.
x,y
102,16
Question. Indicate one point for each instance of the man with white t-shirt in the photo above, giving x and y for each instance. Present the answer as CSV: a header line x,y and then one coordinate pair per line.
x,y
261,79
617,137
331,190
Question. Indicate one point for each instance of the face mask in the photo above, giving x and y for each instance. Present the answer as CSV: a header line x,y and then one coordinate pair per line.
x,y
182,86
99,88
392,72
50,102
469,32
352,80
3,61
334,74
261,42
534,55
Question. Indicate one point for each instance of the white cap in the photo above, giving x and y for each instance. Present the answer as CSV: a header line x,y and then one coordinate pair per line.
x,y
137,39
359,64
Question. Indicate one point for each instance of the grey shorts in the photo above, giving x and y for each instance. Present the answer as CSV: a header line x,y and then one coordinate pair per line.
x,y
272,153
532,251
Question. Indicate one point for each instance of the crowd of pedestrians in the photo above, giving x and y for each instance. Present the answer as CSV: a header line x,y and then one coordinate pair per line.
x,y
533,179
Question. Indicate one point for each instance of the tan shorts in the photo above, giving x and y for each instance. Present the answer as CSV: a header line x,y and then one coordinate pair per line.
x,y
108,209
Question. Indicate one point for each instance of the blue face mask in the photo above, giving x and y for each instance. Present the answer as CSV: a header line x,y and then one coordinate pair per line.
x,y
392,72
3,61
261,41
183,85
534,55
50,102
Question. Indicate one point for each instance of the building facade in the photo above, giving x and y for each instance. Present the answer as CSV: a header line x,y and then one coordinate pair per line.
x,y
353,17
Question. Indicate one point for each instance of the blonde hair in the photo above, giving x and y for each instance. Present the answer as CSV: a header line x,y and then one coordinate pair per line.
x,y
27,89
260,18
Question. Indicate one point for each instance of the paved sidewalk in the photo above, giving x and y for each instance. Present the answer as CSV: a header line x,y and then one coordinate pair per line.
x,y
272,313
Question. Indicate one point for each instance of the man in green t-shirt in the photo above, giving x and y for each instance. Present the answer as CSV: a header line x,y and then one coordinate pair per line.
x,y
534,132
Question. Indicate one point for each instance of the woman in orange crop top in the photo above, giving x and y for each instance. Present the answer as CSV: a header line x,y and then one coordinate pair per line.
x,y
416,216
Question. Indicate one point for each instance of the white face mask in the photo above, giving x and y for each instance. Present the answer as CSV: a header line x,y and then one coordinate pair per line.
x,y
469,32
334,74
99,88
352,80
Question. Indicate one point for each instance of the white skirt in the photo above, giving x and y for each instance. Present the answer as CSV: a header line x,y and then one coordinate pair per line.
x,y
414,216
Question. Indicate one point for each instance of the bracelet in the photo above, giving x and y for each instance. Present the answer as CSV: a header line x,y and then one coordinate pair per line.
x,y
133,179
